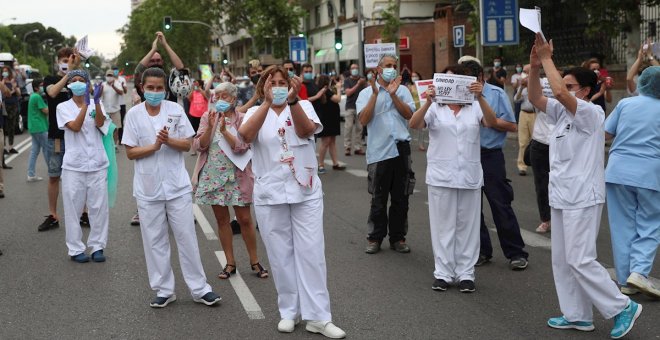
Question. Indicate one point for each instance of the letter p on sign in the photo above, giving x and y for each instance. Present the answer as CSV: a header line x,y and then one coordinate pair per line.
x,y
459,36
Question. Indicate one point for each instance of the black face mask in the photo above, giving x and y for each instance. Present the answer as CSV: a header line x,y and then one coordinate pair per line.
x,y
255,79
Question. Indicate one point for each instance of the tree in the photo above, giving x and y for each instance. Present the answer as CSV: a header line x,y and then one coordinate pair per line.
x,y
36,51
272,23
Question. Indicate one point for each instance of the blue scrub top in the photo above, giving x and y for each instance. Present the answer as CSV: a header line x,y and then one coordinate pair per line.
x,y
499,102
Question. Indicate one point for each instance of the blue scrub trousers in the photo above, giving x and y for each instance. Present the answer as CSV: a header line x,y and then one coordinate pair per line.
x,y
634,216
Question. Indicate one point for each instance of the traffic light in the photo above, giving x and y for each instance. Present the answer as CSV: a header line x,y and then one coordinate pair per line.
x,y
167,23
338,41
87,65
225,61
127,63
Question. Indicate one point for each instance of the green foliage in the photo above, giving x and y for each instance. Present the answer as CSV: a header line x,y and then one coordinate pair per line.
x,y
610,17
390,30
272,23
37,51
191,42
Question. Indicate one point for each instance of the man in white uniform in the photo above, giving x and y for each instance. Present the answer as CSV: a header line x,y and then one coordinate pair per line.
x,y
84,168
577,194
112,94
156,135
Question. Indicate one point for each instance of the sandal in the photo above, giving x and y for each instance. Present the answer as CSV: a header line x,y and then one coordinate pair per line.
x,y
225,274
262,273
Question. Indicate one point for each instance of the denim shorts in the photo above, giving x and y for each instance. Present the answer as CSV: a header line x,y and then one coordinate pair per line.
x,y
55,158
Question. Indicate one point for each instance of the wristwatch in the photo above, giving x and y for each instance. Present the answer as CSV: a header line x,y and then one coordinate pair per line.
x,y
294,102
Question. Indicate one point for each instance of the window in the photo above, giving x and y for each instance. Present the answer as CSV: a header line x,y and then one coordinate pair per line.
x,y
317,16
268,49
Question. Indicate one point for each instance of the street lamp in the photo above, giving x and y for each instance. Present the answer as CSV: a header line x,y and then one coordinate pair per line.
x,y
36,30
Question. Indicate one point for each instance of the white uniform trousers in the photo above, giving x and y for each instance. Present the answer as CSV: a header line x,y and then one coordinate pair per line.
x,y
454,215
80,189
154,219
580,280
634,215
293,236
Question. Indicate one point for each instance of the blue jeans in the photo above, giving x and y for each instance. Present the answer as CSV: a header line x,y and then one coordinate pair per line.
x,y
39,142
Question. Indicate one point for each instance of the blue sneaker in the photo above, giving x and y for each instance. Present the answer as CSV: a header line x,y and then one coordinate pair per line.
x,y
625,320
209,299
98,256
80,258
160,302
562,323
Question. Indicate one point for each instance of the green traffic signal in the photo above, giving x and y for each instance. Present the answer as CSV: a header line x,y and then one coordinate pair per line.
x,y
338,40
167,23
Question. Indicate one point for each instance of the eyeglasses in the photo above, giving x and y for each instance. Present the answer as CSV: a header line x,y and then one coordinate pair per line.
x,y
570,86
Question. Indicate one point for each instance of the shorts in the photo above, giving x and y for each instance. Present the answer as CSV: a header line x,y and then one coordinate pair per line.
x,y
55,158
116,118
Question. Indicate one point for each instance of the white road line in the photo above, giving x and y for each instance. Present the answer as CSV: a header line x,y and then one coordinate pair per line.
x,y
354,172
20,147
244,294
204,223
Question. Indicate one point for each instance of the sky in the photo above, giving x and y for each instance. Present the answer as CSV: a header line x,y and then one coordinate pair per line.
x,y
99,19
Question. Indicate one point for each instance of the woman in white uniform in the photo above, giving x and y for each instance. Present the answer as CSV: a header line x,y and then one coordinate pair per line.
x,y
577,195
454,178
288,200
156,134
84,168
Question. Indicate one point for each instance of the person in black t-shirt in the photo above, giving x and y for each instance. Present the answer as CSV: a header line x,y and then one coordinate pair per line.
x,y
498,75
154,59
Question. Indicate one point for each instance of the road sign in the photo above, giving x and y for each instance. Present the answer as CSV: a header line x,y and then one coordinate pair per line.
x,y
298,49
459,36
499,22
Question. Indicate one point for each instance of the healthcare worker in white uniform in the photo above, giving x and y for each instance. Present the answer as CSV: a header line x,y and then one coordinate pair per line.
x,y
157,133
454,177
288,200
84,168
577,195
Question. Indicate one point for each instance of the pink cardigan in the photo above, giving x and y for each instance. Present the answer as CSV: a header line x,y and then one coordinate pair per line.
x,y
245,178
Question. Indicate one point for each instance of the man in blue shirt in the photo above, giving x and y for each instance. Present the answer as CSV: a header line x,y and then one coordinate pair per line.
x,y
384,108
496,186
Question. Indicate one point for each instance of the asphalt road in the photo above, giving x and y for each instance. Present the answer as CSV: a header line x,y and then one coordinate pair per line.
x,y
43,294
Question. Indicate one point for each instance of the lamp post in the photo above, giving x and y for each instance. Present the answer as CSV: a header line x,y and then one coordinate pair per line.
x,y
36,30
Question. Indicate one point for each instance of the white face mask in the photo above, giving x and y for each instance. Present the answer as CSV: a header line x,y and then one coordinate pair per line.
x,y
415,78
572,93
109,79
64,67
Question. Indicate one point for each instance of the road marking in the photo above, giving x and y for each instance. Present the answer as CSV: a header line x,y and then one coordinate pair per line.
x,y
204,223
20,147
242,291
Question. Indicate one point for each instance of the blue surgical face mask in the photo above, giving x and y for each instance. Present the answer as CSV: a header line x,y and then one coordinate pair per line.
x,y
518,69
154,98
5,74
497,64
215,84
222,106
370,76
389,74
291,74
78,88
355,72
308,75
280,94
115,72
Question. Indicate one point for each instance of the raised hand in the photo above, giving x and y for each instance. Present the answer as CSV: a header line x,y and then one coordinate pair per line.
x,y
543,49
476,88
87,99
394,85
163,137
98,92
268,90
372,83
212,117
430,92
223,122
295,83
161,38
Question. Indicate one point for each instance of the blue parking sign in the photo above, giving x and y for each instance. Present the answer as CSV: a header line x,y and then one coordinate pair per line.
x,y
459,36
298,49
499,22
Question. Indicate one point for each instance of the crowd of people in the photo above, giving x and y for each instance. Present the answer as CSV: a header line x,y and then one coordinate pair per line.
x,y
261,143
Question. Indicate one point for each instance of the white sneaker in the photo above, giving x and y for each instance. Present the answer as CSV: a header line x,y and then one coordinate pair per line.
x,y
636,280
326,328
34,178
629,290
287,325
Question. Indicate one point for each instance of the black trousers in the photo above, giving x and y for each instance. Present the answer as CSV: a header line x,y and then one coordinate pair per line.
x,y
122,115
499,193
540,157
395,179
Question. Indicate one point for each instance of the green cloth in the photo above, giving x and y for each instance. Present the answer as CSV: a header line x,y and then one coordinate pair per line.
x,y
109,146
37,120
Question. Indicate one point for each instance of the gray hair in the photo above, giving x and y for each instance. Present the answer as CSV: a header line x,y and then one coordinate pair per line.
x,y
228,87
387,55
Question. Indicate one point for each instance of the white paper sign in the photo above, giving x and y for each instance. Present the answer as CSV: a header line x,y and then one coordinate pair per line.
x,y
453,88
422,86
240,160
83,48
373,52
531,19
546,89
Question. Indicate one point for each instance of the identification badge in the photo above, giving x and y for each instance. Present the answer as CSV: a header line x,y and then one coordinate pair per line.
x,y
286,156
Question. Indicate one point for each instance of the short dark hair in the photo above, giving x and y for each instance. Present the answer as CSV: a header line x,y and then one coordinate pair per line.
x,y
455,69
154,72
64,52
306,65
585,77
288,61
472,68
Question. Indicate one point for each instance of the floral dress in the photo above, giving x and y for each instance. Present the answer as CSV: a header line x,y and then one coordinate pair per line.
x,y
218,183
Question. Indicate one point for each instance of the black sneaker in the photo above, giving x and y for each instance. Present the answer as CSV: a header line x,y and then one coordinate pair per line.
x,y
466,286
519,263
483,259
160,302
84,220
209,299
49,223
440,285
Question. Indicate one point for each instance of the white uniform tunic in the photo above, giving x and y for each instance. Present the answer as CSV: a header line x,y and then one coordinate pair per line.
x,y
577,194
84,179
454,177
290,215
161,186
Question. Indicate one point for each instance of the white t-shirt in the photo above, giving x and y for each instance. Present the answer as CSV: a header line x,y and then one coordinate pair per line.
x,y
84,149
111,99
274,181
163,175
454,155
577,152
125,98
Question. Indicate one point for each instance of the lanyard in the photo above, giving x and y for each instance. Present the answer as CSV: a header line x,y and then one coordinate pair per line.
x,y
287,157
